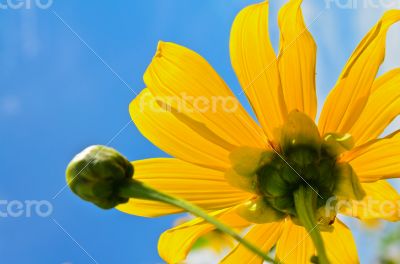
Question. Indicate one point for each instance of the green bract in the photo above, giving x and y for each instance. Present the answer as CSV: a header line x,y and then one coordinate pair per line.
x,y
303,159
96,174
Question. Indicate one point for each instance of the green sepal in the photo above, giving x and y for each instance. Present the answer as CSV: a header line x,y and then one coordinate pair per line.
x,y
247,160
347,185
326,171
336,143
246,183
283,204
259,211
289,174
271,183
299,131
311,173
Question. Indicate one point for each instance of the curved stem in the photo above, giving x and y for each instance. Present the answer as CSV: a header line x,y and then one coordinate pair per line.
x,y
138,190
305,200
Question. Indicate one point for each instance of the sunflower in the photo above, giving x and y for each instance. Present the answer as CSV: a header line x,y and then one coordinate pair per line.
x,y
275,177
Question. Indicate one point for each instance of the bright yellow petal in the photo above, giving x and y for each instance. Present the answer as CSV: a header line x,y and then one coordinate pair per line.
x,y
297,60
381,202
350,95
178,135
183,79
204,187
378,159
175,244
295,245
382,108
263,236
256,67
339,244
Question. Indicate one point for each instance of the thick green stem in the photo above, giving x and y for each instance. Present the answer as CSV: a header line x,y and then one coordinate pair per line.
x,y
305,200
138,190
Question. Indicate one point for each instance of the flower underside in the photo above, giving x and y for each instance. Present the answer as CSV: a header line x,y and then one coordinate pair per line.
x,y
303,160
299,166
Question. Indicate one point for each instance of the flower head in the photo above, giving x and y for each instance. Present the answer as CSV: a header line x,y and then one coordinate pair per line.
x,y
282,175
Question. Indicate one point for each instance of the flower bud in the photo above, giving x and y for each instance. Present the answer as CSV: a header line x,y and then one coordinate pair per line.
x,y
96,174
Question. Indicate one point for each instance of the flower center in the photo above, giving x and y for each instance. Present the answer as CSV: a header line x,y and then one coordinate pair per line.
x,y
284,173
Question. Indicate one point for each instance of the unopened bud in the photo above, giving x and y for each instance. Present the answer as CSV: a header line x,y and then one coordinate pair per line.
x,y
96,174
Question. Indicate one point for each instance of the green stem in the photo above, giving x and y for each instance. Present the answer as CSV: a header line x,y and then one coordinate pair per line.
x,y
138,190
305,200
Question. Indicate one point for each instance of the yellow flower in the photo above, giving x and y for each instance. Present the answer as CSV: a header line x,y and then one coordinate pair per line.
x,y
249,175
214,240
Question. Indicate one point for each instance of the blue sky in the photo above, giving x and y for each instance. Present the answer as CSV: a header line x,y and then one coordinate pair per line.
x,y
67,75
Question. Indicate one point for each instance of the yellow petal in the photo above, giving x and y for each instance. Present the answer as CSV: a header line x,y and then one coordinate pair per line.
x,y
256,67
263,236
350,95
381,202
183,79
175,244
216,241
178,136
340,245
297,59
204,187
378,159
295,245
382,108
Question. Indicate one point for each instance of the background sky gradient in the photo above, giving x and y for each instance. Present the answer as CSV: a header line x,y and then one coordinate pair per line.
x,y
67,76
